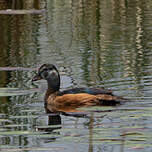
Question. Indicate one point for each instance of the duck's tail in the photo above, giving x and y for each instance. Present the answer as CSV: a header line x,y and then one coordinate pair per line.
x,y
110,100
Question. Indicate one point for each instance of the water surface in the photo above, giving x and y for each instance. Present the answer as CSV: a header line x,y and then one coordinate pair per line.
x,y
93,43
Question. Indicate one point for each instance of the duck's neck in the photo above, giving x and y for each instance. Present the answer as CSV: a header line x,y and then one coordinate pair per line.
x,y
53,88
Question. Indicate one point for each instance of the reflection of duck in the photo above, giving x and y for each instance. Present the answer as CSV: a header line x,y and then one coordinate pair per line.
x,y
53,120
71,99
54,125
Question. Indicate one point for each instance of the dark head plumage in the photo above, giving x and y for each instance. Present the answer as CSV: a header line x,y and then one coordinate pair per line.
x,y
50,73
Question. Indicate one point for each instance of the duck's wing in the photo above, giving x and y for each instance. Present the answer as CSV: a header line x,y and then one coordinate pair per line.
x,y
92,91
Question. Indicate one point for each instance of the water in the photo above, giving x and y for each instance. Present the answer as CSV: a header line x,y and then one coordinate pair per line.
x,y
93,43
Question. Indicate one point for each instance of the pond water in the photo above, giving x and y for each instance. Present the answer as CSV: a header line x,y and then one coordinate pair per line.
x,y
93,43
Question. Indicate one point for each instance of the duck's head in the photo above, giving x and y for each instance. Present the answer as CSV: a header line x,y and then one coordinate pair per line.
x,y
50,73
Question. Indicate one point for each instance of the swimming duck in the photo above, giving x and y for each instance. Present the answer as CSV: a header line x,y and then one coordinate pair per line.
x,y
72,98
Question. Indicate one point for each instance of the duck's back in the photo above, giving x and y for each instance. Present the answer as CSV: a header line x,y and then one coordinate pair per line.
x,y
92,91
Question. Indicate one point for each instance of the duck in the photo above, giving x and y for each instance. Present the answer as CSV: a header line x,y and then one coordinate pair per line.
x,y
75,97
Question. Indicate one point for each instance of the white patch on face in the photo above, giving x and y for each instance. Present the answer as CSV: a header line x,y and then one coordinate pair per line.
x,y
53,72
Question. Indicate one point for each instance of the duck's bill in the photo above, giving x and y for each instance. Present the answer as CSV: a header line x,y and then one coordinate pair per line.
x,y
36,78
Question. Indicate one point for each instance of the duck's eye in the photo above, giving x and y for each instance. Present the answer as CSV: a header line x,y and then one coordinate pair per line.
x,y
50,69
45,69
44,73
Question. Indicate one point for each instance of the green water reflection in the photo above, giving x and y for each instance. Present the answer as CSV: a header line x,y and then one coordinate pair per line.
x,y
101,43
